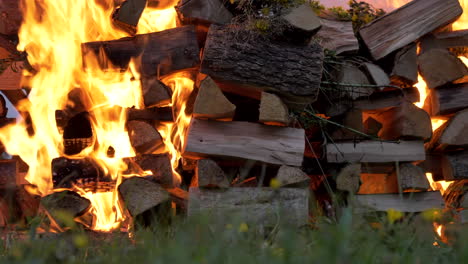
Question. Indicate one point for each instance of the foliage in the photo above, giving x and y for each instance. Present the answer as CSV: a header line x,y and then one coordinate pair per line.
x,y
362,13
378,238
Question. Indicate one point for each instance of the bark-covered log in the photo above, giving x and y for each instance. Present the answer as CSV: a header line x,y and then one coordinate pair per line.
x,y
8,172
411,202
439,67
271,144
67,172
161,53
211,102
447,100
140,194
338,36
11,17
10,78
375,151
264,206
205,11
455,165
411,177
273,111
404,121
407,24
252,62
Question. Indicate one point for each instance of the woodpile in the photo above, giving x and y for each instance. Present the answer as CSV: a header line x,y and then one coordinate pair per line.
x,y
262,110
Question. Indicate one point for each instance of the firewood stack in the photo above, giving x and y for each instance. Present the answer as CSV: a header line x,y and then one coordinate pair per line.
x,y
246,151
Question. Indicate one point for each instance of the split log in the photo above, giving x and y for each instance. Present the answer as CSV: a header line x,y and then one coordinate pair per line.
x,y
205,11
455,166
160,166
10,78
273,111
155,93
292,177
3,107
299,24
375,151
452,40
65,202
411,202
350,74
140,194
276,145
376,75
407,24
127,15
452,133
447,100
144,137
377,100
404,121
337,36
209,174
439,67
411,178
253,63
405,67
264,206
372,126
161,53
349,178
351,119
8,172
151,115
11,17
67,172
455,194
211,102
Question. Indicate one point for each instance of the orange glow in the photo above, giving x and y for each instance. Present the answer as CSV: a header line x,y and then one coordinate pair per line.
x,y
438,185
52,33
422,88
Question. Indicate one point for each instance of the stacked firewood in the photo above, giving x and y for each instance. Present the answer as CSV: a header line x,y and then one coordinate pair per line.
x,y
248,151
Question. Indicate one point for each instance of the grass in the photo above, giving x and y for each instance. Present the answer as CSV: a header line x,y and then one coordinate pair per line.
x,y
389,239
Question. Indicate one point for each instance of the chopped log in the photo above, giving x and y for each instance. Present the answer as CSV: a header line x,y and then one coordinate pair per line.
x,y
447,100
404,121
205,11
211,102
127,15
372,126
439,67
67,172
376,75
433,165
144,137
377,100
273,111
405,67
276,145
292,177
140,194
350,74
455,166
254,63
455,194
338,36
452,40
11,17
65,202
10,78
378,183
452,133
155,93
3,107
151,115
209,174
411,178
160,166
349,178
351,119
411,202
8,172
161,53
264,206
300,24
375,151
407,24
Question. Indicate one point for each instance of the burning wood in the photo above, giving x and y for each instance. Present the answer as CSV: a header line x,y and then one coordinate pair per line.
x,y
439,67
82,172
8,173
452,133
209,174
128,14
206,11
155,92
160,166
447,100
144,137
65,204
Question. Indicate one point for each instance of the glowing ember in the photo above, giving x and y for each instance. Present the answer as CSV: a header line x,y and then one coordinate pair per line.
x,y
51,34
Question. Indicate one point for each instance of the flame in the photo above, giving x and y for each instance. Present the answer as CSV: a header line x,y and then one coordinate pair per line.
x,y
438,185
51,34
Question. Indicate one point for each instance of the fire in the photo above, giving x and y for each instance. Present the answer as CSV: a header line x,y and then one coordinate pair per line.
x,y
438,185
51,34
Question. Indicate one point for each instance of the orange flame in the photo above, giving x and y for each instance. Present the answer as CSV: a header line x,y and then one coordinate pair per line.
x,y
52,33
